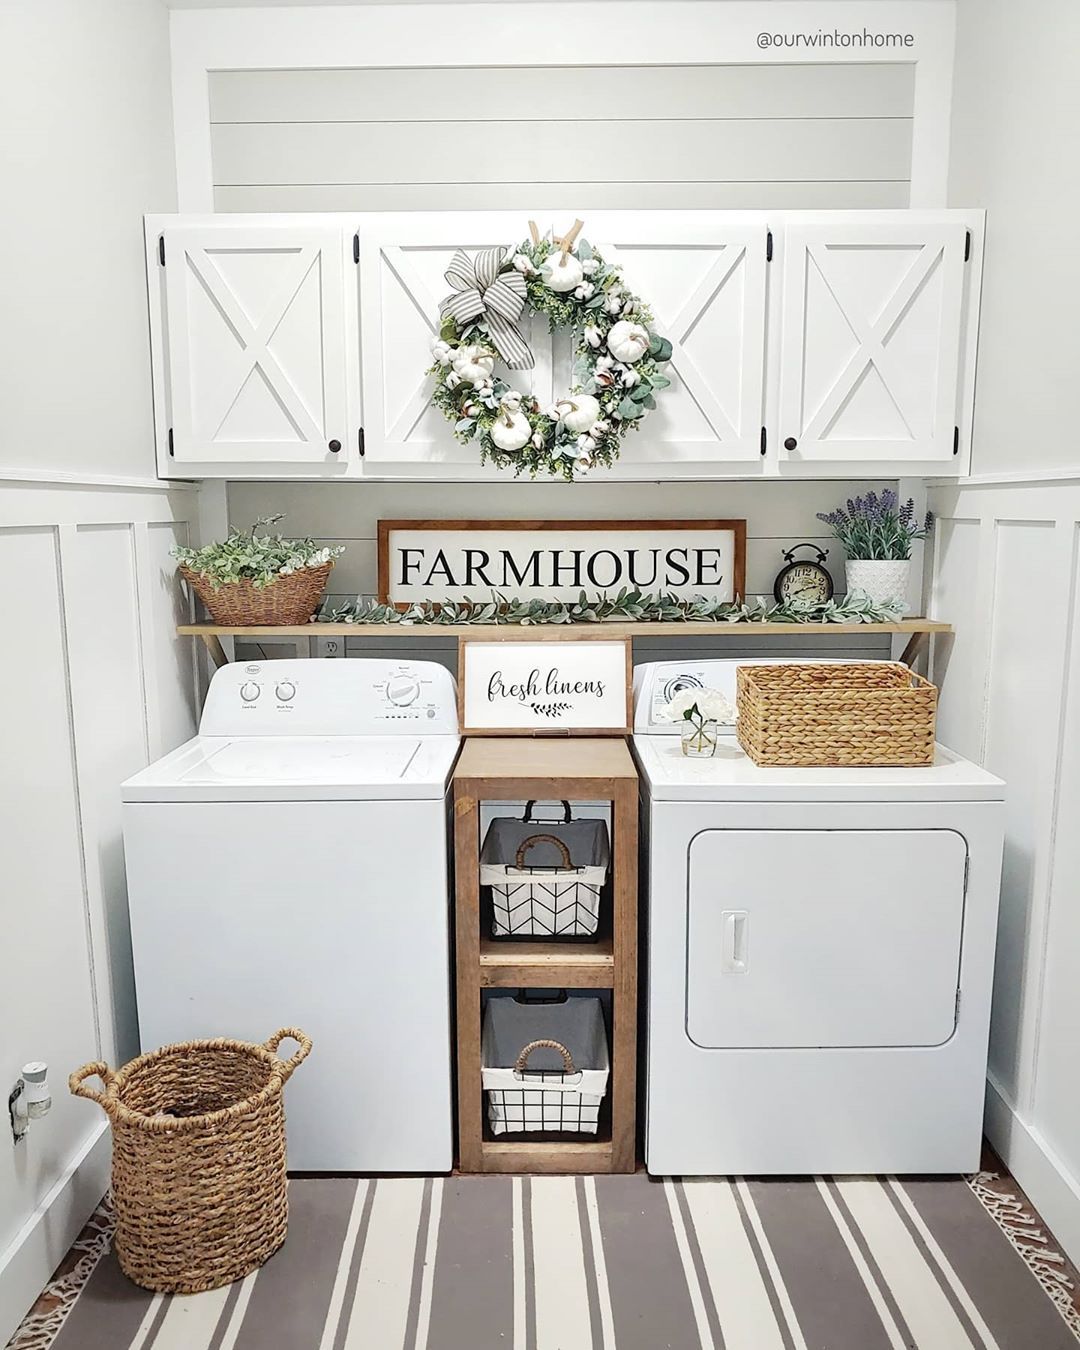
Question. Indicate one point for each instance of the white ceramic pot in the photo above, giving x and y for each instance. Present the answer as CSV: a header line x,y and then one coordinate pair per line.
x,y
882,580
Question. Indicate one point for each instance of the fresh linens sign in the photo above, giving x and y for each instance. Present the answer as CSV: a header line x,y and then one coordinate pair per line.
x,y
557,685
437,560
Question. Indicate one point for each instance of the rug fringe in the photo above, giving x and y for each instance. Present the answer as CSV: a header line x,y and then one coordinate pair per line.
x,y
42,1323
1031,1242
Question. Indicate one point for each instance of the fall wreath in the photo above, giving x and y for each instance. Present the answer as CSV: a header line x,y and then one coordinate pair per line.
x,y
617,358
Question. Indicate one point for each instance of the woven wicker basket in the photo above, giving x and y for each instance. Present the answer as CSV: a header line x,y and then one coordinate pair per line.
x,y
198,1169
876,713
287,600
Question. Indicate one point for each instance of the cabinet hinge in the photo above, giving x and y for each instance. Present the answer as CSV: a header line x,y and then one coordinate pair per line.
x,y
956,440
172,451
360,442
967,247
356,248
161,249
768,245
764,440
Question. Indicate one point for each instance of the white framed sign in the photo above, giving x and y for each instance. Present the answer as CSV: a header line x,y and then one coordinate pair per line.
x,y
436,560
559,686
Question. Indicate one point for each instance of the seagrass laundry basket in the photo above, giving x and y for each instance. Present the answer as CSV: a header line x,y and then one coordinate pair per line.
x,y
198,1168
869,713
288,599
546,877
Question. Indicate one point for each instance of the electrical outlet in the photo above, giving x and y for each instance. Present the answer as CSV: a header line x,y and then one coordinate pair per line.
x,y
329,646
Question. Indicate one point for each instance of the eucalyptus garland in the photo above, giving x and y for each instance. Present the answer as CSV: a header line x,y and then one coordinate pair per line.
x,y
617,361
628,606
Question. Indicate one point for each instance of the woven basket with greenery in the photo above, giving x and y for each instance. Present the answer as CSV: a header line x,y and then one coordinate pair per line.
x,y
198,1168
252,579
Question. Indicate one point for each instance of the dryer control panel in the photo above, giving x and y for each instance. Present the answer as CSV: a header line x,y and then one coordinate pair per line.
x,y
353,697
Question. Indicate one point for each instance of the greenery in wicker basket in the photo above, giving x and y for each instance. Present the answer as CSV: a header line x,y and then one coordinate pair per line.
x,y
628,606
259,558
877,529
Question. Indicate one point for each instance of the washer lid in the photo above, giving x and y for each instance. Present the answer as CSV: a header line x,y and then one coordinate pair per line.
x,y
222,768
731,776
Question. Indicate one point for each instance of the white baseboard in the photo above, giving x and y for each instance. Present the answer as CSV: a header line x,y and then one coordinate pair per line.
x,y
43,1241
1040,1173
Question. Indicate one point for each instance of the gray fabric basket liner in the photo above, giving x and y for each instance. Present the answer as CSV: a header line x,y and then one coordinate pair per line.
x,y
586,842
578,1024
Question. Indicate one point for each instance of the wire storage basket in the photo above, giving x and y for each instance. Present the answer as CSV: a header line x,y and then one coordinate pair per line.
x,y
546,878
545,1066
288,599
873,713
198,1168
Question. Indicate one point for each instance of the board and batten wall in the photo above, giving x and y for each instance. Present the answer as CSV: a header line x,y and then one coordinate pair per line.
x,y
711,136
96,682
1005,569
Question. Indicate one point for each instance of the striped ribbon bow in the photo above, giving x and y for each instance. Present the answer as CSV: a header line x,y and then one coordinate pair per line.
x,y
481,289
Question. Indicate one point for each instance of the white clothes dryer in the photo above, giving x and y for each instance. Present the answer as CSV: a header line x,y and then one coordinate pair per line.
x,y
820,955
288,866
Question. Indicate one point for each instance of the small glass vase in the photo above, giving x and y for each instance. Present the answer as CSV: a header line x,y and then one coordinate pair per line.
x,y
699,742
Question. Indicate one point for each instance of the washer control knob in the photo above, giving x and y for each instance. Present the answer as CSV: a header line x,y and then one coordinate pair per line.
x,y
250,691
285,690
402,690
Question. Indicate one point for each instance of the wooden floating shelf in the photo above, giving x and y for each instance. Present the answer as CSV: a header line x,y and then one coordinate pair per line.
x,y
539,632
918,632
546,965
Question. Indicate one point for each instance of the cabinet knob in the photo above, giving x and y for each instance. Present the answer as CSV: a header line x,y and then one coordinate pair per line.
x,y
790,443
334,447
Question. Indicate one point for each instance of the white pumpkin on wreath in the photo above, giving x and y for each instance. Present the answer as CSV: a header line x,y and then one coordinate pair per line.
x,y
617,365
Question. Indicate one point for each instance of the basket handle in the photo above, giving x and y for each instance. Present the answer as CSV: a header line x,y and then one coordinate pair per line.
x,y
523,1059
527,819
98,1069
289,1066
533,840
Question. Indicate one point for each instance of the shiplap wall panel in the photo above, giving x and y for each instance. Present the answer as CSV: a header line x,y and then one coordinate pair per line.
x,y
570,197
670,92
778,136
742,149
1005,572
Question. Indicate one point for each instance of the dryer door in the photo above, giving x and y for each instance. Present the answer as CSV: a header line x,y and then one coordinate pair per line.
x,y
824,938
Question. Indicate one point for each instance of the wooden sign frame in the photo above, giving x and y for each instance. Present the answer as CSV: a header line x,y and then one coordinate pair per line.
x,y
549,644
387,527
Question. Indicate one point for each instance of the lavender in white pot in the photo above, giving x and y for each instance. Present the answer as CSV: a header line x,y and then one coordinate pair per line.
x,y
877,534
699,711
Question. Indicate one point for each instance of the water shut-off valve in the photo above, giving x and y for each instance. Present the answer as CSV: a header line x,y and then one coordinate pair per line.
x,y
30,1098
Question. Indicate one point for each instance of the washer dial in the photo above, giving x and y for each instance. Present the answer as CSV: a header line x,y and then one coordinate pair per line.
x,y
401,690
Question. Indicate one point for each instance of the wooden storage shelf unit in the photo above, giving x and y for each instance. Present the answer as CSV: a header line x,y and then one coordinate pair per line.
x,y
515,770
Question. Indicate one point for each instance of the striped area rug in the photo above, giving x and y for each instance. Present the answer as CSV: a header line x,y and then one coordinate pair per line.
x,y
607,1263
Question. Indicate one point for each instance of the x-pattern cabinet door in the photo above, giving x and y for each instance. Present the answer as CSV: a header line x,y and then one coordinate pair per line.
x,y
403,259
255,336
873,323
703,275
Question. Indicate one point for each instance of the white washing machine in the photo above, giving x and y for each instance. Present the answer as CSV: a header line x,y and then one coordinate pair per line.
x,y
288,867
820,955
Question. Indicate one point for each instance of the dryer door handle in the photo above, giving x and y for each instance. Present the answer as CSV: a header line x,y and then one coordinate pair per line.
x,y
735,942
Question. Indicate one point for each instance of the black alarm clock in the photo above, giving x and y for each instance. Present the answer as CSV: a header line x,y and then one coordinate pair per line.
x,y
802,581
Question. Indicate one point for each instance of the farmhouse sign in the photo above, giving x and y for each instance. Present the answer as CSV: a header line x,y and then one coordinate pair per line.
x,y
535,560
558,686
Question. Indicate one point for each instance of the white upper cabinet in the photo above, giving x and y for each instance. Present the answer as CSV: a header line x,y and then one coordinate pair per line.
x,y
871,342
253,328
804,343
702,273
